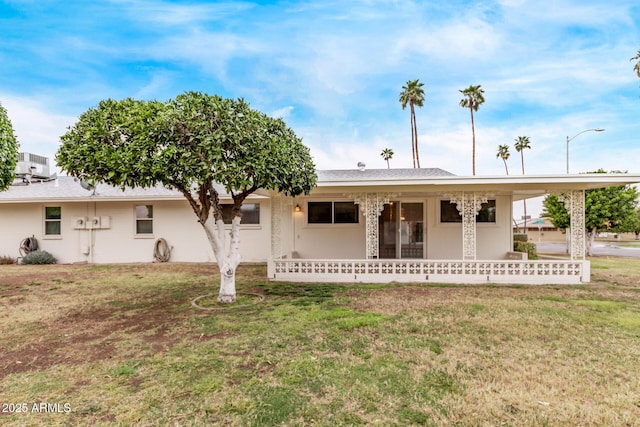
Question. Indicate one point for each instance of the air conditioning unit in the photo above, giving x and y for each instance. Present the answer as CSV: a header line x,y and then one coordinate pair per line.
x,y
79,223
32,166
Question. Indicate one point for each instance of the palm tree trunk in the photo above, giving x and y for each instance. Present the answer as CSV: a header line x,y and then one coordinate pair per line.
x,y
505,166
413,134
524,202
415,137
473,135
387,163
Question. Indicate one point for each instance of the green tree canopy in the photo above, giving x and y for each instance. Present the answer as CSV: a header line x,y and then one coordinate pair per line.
x,y
387,154
609,208
636,66
190,143
8,150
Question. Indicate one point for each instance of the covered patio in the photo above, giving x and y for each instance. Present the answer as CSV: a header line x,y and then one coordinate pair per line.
x,y
428,247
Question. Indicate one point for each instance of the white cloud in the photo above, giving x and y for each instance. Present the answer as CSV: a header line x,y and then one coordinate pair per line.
x,y
282,113
165,13
36,124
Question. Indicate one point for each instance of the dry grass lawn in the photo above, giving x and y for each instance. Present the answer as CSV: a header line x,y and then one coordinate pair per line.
x,y
121,345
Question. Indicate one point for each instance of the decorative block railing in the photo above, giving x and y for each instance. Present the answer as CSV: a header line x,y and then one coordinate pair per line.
x,y
431,271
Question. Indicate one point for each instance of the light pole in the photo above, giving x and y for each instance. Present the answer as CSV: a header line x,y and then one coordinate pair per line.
x,y
579,133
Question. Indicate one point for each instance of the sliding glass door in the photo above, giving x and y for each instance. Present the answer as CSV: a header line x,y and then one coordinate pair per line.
x,y
401,230
411,230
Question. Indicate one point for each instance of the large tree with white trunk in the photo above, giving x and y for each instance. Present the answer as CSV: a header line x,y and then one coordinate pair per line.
x,y
190,143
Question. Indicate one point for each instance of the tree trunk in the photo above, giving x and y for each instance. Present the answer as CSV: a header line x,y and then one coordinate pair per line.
x,y
415,136
228,261
473,136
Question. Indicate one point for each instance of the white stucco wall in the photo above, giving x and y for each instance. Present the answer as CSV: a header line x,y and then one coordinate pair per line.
x,y
173,220
330,241
348,241
493,240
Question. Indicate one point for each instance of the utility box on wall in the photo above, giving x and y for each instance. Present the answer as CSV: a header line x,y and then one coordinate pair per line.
x,y
79,223
94,223
105,221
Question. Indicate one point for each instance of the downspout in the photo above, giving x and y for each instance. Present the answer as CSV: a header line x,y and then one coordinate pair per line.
x,y
92,235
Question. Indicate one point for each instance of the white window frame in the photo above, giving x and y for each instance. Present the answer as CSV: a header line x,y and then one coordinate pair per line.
x,y
136,219
51,220
333,215
247,226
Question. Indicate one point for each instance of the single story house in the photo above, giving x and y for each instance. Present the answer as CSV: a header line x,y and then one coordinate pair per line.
x,y
379,225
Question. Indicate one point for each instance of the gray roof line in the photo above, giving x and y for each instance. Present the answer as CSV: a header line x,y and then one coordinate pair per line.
x,y
379,174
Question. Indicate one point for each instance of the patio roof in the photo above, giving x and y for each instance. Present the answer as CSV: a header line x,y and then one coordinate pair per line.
x,y
438,181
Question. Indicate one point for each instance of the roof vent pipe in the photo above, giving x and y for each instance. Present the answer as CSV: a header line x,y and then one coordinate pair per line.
x,y
361,166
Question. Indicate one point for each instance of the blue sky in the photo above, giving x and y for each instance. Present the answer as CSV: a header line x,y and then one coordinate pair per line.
x,y
334,70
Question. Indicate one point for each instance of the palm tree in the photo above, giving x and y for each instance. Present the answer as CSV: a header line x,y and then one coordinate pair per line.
x,y
413,94
503,153
473,98
523,142
636,67
387,154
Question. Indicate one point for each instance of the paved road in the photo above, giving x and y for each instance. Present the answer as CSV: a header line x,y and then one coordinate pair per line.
x,y
600,248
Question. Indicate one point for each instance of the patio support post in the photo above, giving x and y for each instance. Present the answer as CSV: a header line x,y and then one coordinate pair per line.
x,y
373,204
371,227
468,204
278,205
276,227
574,202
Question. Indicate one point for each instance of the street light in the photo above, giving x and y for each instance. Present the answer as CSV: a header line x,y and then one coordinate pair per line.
x,y
579,133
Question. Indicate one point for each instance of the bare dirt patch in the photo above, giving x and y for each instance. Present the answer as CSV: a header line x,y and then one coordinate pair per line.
x,y
73,330
81,337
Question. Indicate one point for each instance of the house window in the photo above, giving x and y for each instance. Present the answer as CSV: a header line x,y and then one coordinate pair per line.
x,y
332,213
449,213
144,219
487,212
250,213
52,220
345,213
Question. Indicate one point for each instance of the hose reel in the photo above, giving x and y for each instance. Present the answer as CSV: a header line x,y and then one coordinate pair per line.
x,y
161,251
28,245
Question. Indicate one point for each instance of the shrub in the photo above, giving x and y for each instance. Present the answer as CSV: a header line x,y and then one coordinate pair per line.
x,y
529,248
4,260
39,257
520,237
